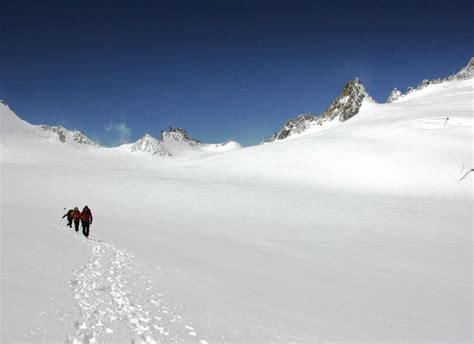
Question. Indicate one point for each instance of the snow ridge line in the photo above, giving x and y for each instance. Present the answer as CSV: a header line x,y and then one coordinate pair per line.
x,y
119,304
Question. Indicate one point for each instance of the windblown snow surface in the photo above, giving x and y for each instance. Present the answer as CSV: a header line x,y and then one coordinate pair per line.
x,y
355,232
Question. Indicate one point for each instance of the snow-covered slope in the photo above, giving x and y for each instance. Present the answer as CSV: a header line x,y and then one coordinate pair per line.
x,y
178,143
12,125
10,122
359,231
465,73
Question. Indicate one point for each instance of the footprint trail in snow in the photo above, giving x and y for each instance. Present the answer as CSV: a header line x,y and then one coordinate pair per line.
x,y
119,304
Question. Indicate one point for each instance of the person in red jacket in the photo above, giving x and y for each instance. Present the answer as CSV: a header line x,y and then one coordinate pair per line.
x,y
86,219
76,216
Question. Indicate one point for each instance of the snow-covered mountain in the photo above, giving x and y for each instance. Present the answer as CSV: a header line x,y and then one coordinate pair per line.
x,y
11,123
349,102
344,107
176,142
465,73
64,135
179,143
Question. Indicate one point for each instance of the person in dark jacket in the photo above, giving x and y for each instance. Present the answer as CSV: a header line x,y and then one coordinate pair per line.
x,y
69,217
76,216
86,218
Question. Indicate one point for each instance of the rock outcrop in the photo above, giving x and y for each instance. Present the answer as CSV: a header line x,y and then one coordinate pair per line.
x,y
178,134
295,126
347,105
64,135
394,95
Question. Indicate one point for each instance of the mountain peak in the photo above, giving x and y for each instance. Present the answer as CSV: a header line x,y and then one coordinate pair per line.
x,y
348,103
178,134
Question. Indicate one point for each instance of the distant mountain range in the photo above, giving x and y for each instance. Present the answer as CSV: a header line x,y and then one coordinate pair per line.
x,y
177,142
174,142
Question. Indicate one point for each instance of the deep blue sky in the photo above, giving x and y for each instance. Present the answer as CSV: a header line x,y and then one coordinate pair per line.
x,y
222,69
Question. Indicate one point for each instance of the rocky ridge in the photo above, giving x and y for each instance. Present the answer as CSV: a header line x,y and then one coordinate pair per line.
x,y
467,72
344,107
178,134
64,135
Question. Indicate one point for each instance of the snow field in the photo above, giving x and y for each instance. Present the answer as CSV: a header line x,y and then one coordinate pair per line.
x,y
115,299
359,232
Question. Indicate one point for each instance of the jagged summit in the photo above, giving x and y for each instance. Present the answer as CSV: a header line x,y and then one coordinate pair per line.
x,y
344,107
178,134
348,103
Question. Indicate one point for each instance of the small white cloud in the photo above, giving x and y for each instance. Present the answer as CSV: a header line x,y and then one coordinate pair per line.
x,y
120,132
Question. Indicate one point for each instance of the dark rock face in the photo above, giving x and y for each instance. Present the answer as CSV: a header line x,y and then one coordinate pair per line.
x,y
295,126
345,106
58,130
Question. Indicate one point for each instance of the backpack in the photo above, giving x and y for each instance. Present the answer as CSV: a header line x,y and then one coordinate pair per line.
x,y
76,214
86,215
